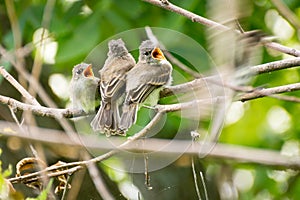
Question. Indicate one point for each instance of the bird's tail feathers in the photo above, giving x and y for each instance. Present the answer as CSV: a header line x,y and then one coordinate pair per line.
x,y
107,119
128,117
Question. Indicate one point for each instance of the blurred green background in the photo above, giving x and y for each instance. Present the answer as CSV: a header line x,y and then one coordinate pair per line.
x,y
76,28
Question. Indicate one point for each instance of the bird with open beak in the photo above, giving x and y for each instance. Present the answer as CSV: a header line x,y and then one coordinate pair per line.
x,y
84,88
112,87
150,74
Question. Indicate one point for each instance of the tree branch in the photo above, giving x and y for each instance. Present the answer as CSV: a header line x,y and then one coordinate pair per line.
x,y
269,91
172,59
209,23
182,88
286,98
192,16
17,85
163,146
186,105
276,65
41,110
31,80
78,165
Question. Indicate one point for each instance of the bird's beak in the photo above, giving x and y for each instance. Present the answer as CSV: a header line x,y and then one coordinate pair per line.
x,y
158,54
88,72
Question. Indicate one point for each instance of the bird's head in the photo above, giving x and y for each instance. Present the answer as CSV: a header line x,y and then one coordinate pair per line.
x,y
83,70
150,53
117,48
146,49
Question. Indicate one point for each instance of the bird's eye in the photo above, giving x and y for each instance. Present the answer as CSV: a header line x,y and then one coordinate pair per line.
x,y
147,53
79,71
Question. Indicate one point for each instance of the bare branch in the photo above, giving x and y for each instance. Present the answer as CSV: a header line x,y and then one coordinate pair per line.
x,y
185,87
251,93
282,49
209,23
269,91
41,110
34,83
186,105
74,166
286,98
56,114
98,180
173,60
19,87
182,88
192,16
224,151
276,65
38,61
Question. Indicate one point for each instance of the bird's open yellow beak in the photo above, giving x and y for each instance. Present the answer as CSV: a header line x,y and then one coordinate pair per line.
x,y
158,54
88,72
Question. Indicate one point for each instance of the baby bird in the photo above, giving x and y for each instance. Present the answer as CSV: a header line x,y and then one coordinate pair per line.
x,y
150,74
112,87
84,88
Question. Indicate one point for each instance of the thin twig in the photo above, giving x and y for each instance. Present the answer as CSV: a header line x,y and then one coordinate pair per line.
x,y
15,83
98,180
192,16
187,105
64,196
28,98
198,83
204,185
269,91
38,61
282,49
48,11
35,84
195,179
276,65
36,106
286,98
173,60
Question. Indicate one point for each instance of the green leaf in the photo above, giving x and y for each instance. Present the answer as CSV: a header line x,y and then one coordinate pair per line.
x,y
80,41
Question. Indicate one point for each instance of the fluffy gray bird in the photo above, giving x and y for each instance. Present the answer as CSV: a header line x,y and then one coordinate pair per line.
x,y
84,88
112,87
150,74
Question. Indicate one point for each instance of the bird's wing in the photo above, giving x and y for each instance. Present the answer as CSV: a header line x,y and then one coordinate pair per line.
x,y
114,85
140,93
112,88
